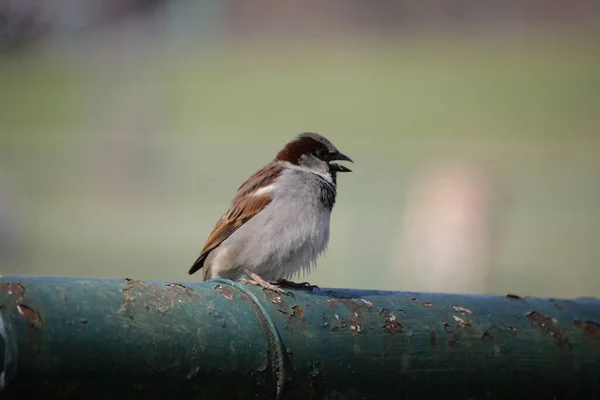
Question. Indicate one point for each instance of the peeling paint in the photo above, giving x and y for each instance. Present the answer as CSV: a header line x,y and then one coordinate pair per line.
x,y
461,310
391,324
128,299
590,329
551,327
154,297
513,297
461,322
182,289
225,292
427,304
367,303
355,326
32,315
298,313
331,303
14,290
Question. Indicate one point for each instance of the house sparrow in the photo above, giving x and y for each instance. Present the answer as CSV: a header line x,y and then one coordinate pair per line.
x,y
278,221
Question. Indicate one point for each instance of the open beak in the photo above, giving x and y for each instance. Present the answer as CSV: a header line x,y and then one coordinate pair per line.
x,y
340,157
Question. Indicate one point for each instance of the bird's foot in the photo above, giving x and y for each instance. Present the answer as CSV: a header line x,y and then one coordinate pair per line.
x,y
258,281
296,285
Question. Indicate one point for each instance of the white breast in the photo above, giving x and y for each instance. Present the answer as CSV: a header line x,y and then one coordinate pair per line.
x,y
288,236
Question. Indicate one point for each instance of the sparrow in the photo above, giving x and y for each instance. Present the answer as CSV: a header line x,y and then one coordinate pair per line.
x,y
278,221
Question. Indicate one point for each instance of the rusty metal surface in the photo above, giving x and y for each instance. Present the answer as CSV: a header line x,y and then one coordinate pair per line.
x,y
89,338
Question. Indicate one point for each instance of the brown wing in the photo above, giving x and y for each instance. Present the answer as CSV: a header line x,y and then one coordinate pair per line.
x,y
244,206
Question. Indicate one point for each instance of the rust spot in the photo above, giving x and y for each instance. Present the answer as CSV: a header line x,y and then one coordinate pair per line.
x,y
551,327
513,297
331,303
427,304
590,329
176,285
391,324
128,298
154,297
367,303
487,335
13,289
279,301
461,310
355,326
298,312
461,322
225,292
33,316
452,336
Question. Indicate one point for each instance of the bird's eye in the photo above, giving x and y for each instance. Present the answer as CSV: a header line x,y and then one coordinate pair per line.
x,y
321,153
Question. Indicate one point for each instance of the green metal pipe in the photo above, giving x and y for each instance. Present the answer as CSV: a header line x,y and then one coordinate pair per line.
x,y
96,339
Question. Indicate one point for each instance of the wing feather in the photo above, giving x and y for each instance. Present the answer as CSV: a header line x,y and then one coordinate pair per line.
x,y
244,206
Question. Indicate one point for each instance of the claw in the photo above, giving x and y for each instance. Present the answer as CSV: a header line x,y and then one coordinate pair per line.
x,y
297,285
258,281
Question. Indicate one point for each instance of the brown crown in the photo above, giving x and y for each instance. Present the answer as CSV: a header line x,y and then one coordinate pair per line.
x,y
306,143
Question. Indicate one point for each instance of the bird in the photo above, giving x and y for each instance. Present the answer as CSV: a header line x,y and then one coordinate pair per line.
x,y
278,222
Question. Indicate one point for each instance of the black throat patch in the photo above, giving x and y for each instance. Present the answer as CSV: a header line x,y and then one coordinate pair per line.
x,y
328,191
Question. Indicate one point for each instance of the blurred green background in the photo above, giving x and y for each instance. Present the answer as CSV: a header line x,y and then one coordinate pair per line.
x,y
476,145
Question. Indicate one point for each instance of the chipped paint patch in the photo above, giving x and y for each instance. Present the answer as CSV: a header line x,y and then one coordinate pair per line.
x,y
298,313
461,310
590,329
225,292
154,297
14,290
355,327
551,327
427,304
32,315
461,322
391,324
367,303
